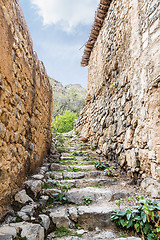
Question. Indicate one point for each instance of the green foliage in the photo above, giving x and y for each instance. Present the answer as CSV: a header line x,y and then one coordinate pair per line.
x,y
64,123
63,186
144,217
20,238
93,147
62,232
87,200
70,97
110,171
61,197
46,186
100,165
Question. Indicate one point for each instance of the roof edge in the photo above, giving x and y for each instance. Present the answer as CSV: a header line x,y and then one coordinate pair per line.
x,y
100,16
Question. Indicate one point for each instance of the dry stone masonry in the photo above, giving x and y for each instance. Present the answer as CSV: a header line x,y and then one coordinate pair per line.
x,y
25,103
122,113
39,212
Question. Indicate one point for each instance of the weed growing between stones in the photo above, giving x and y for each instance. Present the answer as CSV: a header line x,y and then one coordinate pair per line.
x,y
100,166
64,232
46,186
87,200
143,217
20,238
93,147
110,171
96,186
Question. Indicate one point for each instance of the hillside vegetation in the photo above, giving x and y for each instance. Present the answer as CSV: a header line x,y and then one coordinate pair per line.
x,y
71,97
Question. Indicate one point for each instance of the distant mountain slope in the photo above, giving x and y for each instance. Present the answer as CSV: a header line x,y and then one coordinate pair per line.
x,y
71,97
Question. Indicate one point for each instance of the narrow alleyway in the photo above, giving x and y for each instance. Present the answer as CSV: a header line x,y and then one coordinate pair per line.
x,y
69,196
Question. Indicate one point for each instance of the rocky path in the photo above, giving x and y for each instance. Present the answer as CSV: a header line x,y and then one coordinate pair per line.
x,y
69,198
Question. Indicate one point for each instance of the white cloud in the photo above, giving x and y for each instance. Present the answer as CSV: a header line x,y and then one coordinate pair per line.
x,y
66,13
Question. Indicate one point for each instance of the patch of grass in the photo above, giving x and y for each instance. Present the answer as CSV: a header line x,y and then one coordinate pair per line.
x,y
96,185
90,229
62,232
47,186
20,238
65,232
52,176
74,169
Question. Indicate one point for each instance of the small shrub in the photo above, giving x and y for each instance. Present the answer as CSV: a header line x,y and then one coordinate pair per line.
x,y
64,123
144,218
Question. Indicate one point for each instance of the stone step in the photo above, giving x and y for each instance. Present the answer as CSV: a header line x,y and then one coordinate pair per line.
x,y
29,230
57,167
91,217
95,236
74,175
76,196
79,175
80,183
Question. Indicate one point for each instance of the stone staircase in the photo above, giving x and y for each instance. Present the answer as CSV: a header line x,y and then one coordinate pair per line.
x,y
69,196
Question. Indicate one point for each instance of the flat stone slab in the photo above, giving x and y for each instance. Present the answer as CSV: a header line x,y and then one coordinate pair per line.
x,y
81,183
8,231
76,195
57,167
22,197
29,230
60,217
74,175
34,185
92,217
6,237
129,238
151,186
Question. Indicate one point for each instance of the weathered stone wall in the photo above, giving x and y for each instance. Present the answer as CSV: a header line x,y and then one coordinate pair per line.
x,y
122,113
25,102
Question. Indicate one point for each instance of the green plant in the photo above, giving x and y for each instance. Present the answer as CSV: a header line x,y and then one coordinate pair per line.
x,y
61,197
75,169
93,147
20,238
63,186
144,218
118,202
46,186
64,123
52,176
110,171
90,229
87,200
96,185
115,179
100,165
62,232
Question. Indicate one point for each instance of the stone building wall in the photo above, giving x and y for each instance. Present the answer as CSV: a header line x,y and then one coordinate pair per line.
x,y
122,113
25,102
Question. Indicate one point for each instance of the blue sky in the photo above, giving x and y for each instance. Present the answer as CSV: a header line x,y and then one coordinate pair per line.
x,y
59,28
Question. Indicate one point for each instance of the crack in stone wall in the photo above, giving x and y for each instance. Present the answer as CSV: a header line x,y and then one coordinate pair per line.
x,y
122,113
25,103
